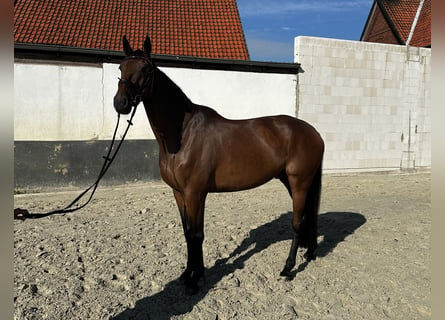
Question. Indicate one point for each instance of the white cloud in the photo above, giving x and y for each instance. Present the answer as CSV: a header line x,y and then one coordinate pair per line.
x,y
269,7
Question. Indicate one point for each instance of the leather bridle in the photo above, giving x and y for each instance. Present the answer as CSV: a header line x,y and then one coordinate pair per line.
x,y
135,92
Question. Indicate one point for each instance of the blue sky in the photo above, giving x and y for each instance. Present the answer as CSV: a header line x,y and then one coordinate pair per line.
x,y
270,26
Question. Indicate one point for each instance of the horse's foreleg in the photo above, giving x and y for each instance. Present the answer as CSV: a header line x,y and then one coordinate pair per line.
x,y
191,207
181,206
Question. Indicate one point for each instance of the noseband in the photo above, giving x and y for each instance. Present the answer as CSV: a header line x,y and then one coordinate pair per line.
x,y
135,92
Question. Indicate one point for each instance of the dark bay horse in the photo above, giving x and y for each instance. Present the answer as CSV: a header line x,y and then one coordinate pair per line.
x,y
200,152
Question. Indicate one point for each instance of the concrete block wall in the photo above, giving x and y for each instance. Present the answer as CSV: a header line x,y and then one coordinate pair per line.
x,y
370,102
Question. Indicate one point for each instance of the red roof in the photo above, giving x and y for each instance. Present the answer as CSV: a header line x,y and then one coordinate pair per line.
x,y
400,16
422,32
201,28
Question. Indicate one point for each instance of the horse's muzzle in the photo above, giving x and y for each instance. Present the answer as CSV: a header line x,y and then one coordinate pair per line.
x,y
122,104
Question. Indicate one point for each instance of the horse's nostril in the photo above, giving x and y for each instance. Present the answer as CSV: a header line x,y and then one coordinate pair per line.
x,y
124,102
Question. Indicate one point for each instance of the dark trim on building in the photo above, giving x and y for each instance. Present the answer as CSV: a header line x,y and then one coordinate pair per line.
x,y
371,18
74,54
368,21
52,164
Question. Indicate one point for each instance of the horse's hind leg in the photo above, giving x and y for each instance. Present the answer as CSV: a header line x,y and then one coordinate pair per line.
x,y
306,200
298,200
308,234
291,260
285,180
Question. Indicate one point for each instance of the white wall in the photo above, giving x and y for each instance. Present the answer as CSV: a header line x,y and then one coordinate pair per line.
x,y
54,101
61,101
360,97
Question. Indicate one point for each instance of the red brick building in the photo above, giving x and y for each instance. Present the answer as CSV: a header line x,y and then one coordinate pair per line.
x,y
404,22
199,28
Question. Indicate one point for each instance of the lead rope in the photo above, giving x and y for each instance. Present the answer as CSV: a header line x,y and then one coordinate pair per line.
x,y
23,214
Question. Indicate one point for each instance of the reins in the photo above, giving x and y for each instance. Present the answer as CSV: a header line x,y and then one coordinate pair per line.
x,y
23,214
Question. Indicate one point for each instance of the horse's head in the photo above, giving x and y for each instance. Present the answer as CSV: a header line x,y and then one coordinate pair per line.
x,y
136,77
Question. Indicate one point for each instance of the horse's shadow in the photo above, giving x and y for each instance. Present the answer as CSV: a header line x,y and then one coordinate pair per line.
x,y
172,300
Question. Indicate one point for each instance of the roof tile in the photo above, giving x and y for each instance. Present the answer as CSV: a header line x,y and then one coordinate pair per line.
x,y
203,28
402,14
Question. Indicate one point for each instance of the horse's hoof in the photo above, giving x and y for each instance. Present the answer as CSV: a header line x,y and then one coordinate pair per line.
x,y
286,273
310,256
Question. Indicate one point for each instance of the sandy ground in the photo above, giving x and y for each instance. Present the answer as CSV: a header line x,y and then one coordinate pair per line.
x,y
119,258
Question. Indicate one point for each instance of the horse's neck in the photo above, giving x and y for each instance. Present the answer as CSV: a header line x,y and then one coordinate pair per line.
x,y
166,109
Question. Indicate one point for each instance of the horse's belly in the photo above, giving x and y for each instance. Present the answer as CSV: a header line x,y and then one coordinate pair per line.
x,y
245,171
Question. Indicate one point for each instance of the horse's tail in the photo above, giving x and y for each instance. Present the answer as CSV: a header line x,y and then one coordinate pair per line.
x,y
308,231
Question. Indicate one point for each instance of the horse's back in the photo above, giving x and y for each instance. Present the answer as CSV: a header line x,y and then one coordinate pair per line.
x,y
242,154
280,131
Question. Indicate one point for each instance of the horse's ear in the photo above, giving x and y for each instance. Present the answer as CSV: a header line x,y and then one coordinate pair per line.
x,y
147,46
127,48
